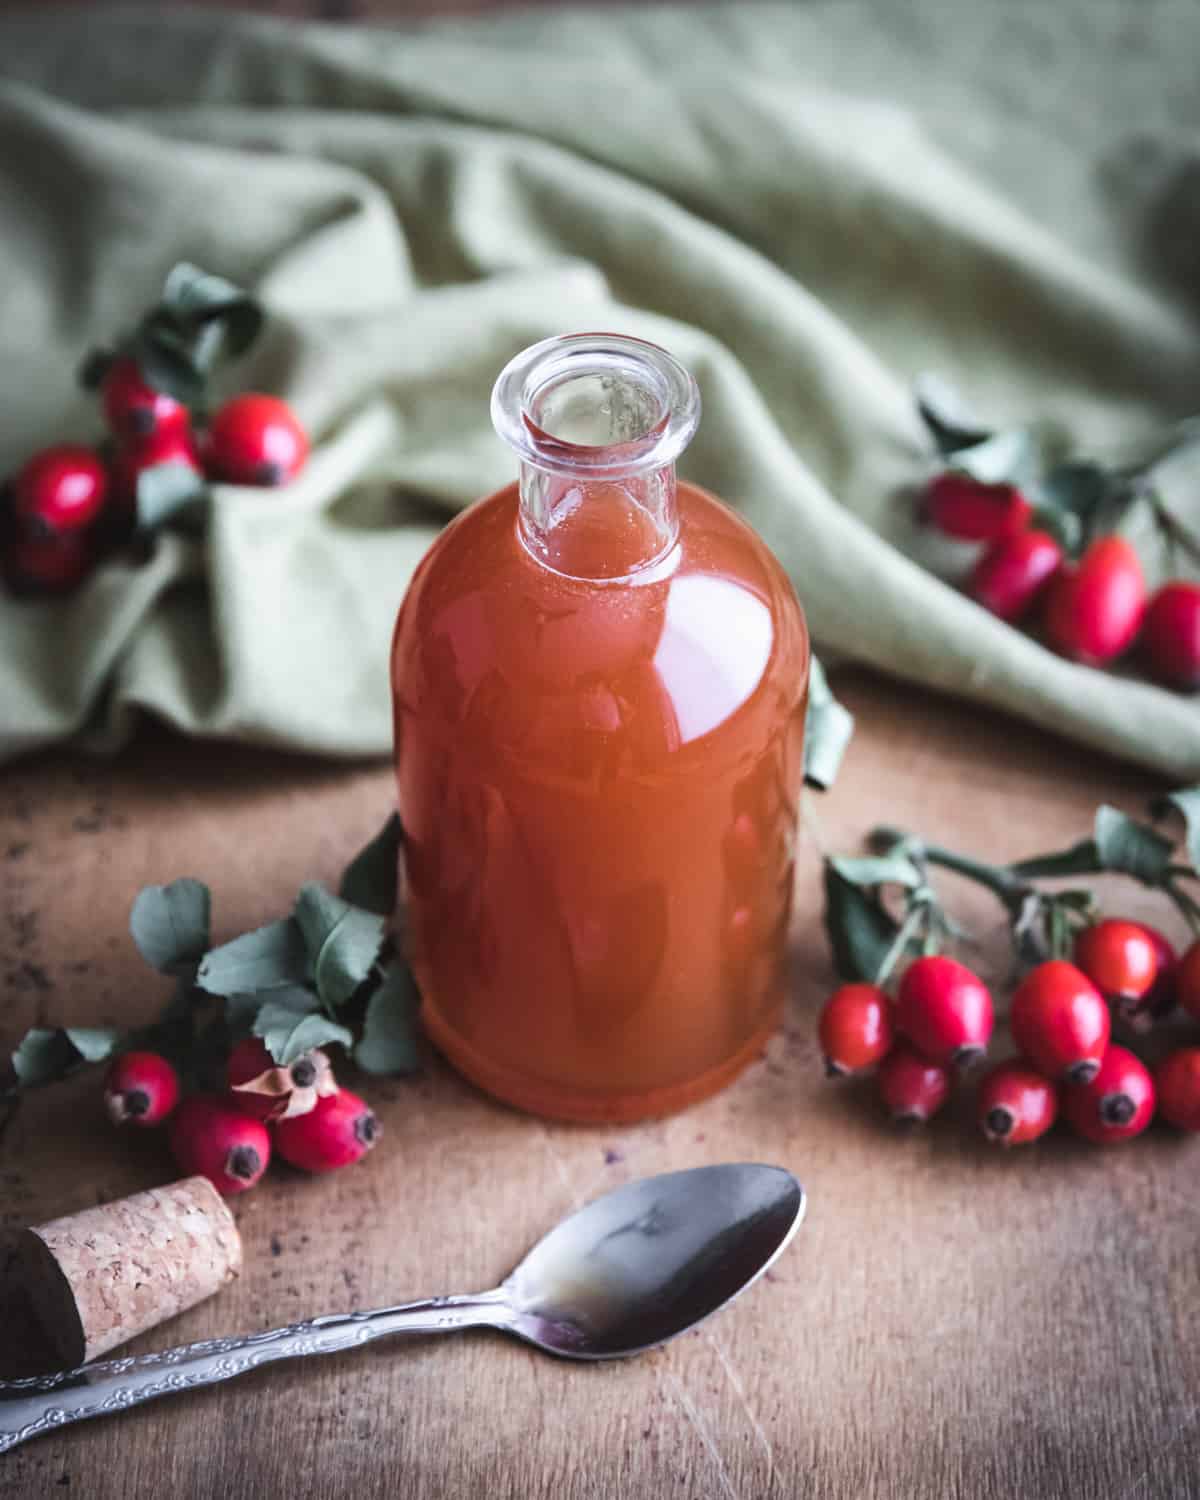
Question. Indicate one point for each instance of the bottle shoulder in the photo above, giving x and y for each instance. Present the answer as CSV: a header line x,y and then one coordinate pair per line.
x,y
480,550
675,653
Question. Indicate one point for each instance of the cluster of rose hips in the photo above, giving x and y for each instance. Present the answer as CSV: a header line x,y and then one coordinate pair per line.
x,y
1093,609
297,1111
69,503
942,1020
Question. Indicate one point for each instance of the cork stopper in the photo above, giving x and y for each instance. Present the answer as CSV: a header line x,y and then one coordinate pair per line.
x,y
98,1278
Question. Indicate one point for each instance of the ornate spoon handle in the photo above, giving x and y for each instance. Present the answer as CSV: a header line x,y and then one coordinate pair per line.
x,y
30,1407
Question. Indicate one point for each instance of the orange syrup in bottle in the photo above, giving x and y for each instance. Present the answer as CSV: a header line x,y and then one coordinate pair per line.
x,y
600,677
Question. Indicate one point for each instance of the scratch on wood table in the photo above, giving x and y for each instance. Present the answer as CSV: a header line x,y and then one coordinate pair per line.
x,y
696,1421
739,1389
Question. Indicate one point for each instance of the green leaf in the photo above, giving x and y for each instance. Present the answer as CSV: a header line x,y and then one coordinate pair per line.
x,y
369,880
42,1056
1004,458
291,1023
266,959
343,942
206,304
1077,499
169,492
389,1039
166,361
169,924
1076,486
828,727
94,366
880,869
1187,802
93,1043
1131,847
951,423
45,1055
860,930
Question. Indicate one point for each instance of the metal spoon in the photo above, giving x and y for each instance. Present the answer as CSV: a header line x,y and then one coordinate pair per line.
x,y
630,1270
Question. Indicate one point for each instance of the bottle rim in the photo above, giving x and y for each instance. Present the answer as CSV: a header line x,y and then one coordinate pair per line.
x,y
670,397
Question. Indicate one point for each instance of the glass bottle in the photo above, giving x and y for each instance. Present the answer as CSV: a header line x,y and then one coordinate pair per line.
x,y
599,676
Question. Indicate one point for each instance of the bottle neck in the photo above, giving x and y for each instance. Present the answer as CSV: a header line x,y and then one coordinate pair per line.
x,y
597,421
598,528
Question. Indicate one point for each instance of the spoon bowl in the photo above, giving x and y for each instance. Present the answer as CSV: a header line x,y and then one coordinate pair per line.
x,y
652,1259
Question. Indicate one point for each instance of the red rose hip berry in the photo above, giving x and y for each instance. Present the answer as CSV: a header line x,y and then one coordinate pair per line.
x,y
1094,608
1060,1022
176,446
214,1139
59,490
912,1088
1116,1105
1187,981
945,1011
256,440
49,564
1009,578
1015,1104
134,410
962,507
141,1088
1171,635
339,1131
855,1029
1119,958
1177,1085
1158,1001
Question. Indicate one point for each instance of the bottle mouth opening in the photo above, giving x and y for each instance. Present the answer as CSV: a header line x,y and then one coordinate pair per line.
x,y
597,404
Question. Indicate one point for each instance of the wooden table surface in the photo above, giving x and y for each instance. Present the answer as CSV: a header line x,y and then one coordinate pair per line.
x,y
950,1322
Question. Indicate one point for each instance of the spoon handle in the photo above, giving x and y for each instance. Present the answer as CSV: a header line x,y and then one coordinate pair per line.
x,y
31,1407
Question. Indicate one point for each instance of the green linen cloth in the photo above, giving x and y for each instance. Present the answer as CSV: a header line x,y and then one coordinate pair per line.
x,y
809,203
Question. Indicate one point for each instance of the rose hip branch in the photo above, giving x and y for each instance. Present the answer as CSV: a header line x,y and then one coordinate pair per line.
x,y
1044,526
1082,977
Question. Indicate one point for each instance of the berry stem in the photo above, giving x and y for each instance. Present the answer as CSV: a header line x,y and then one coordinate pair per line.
x,y
1079,859
998,879
1174,532
1061,936
918,914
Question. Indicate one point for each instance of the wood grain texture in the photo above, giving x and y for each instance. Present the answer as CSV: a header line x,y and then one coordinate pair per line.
x,y
951,1322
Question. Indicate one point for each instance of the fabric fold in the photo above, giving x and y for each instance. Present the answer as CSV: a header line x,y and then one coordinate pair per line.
x,y
415,205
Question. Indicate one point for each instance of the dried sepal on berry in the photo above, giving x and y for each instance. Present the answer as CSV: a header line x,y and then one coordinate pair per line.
x,y
277,1091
